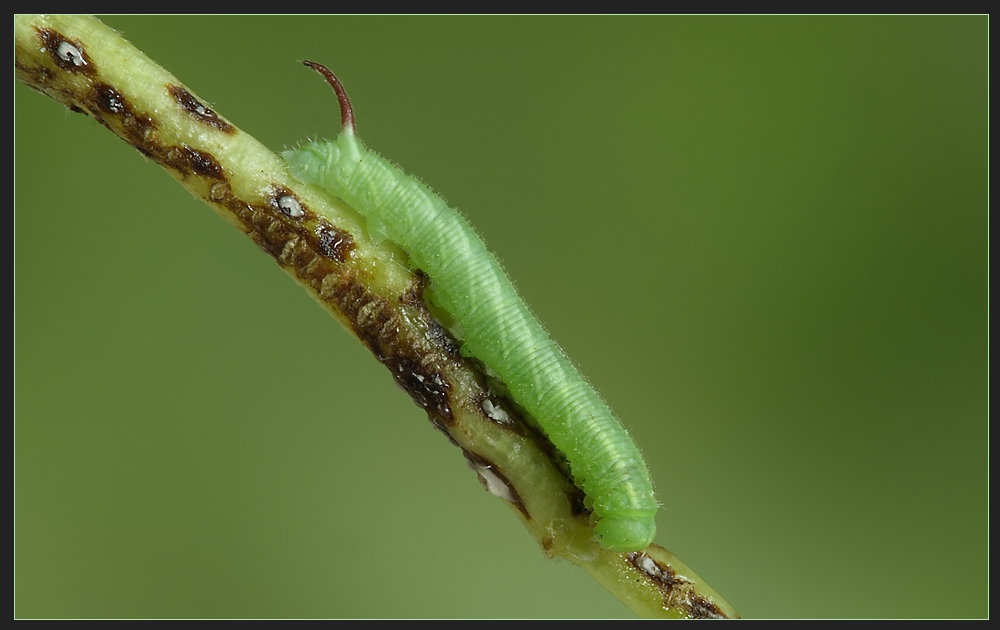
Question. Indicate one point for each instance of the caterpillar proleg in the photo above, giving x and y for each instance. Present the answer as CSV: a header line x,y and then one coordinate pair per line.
x,y
469,284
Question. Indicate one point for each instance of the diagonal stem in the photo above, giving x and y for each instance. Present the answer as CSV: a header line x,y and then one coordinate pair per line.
x,y
322,244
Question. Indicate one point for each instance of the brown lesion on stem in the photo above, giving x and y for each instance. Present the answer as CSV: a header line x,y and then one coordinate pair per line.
x,y
67,53
197,109
678,592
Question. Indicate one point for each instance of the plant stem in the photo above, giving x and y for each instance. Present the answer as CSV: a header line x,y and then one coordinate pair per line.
x,y
322,244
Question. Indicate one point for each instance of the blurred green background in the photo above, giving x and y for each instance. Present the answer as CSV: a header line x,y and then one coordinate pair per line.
x,y
764,240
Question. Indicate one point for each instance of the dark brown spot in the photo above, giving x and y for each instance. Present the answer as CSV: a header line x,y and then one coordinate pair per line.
x,y
108,99
66,53
479,464
662,575
279,237
678,592
701,608
187,161
106,104
198,110
427,387
333,242
286,229
202,163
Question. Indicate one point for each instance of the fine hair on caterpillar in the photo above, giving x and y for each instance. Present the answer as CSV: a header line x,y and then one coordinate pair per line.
x,y
469,284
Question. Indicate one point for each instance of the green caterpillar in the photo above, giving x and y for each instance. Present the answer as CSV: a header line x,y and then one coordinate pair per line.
x,y
499,330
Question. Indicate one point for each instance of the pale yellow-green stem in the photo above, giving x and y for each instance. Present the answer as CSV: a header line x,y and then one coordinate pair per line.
x,y
365,285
